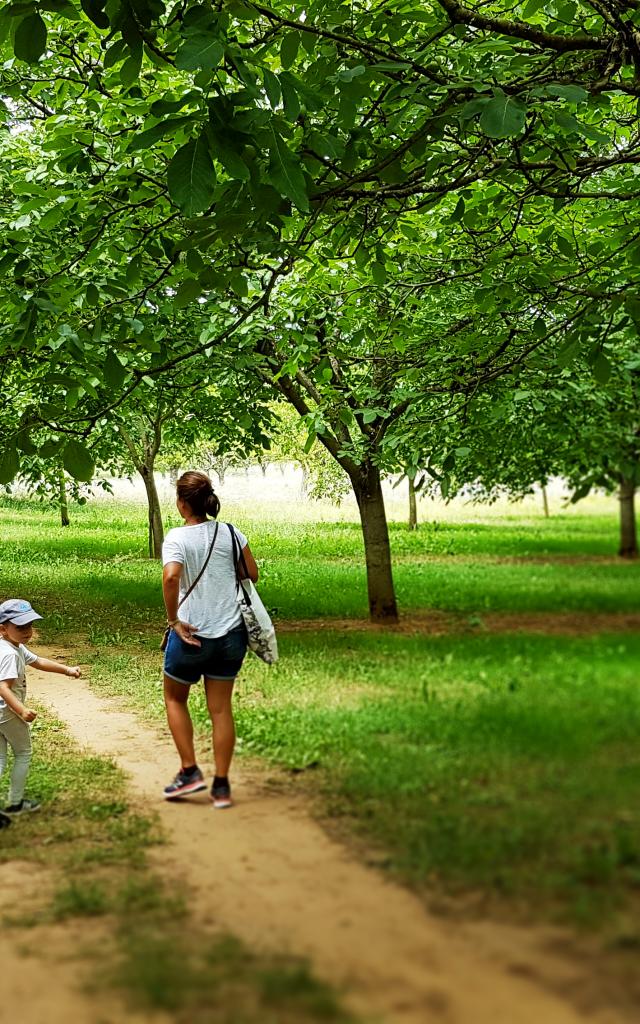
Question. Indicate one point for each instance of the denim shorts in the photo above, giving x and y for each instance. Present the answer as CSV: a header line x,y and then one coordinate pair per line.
x,y
219,657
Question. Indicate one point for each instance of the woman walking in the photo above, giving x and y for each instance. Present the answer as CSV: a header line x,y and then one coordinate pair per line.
x,y
207,635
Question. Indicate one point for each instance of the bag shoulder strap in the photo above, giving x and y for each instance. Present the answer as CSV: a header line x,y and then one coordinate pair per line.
x,y
239,560
201,573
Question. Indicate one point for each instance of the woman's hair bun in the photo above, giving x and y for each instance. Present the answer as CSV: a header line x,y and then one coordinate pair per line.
x,y
197,491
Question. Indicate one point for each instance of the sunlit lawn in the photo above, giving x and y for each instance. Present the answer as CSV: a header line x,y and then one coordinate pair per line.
x,y
503,765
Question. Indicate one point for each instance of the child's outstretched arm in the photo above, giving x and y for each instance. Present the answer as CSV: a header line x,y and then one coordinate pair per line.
x,y
13,701
47,665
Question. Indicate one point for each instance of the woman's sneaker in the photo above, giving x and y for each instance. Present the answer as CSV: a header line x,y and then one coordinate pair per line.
x,y
184,784
221,795
24,807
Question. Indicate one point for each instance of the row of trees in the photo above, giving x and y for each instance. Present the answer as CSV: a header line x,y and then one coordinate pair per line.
x,y
396,220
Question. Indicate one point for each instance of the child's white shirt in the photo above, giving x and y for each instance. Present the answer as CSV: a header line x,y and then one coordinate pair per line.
x,y
13,662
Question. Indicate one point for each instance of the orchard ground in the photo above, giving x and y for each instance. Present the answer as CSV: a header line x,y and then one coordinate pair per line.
x,y
484,752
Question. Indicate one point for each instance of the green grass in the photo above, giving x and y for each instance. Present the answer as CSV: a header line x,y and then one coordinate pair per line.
x,y
503,765
94,847
313,570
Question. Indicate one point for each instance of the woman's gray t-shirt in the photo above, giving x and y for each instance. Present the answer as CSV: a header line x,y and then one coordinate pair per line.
x,y
212,607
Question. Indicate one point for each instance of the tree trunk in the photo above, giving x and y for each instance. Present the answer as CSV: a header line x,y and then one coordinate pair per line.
x,y
368,491
545,501
413,505
62,498
156,529
628,531
144,464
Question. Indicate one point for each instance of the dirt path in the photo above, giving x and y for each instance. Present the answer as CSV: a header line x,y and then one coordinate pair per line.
x,y
439,623
269,874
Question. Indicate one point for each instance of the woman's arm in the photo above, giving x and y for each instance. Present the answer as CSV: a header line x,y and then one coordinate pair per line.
x,y
171,592
171,589
252,568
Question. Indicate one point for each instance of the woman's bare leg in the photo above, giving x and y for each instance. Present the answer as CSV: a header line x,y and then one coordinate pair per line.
x,y
176,696
219,693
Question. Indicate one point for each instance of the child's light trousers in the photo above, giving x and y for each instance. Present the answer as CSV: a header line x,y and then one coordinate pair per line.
x,y
16,734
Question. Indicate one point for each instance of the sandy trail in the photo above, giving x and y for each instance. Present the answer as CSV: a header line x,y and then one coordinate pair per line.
x,y
438,623
268,873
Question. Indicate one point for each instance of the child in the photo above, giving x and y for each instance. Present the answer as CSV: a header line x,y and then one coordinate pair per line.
x,y
16,628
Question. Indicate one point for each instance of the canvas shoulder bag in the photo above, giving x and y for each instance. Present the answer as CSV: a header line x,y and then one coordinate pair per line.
x,y
165,635
260,631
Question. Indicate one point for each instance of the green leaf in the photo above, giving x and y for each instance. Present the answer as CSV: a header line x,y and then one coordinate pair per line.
x,y
49,448
503,117
130,70
571,93
77,461
199,51
9,465
474,107
114,372
159,108
92,294
271,87
601,368
311,437
240,286
379,274
191,177
30,39
290,98
458,213
289,49
565,247
145,139
285,172
326,145
221,150
94,10
188,290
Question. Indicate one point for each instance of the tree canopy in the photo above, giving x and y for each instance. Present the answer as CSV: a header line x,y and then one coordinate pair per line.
x,y
375,210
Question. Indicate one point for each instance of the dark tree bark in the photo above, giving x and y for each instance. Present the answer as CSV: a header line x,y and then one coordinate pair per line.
x,y
144,458
366,483
62,499
367,487
156,529
628,529
413,504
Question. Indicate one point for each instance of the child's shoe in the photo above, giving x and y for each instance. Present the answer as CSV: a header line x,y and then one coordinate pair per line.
x,y
24,807
184,784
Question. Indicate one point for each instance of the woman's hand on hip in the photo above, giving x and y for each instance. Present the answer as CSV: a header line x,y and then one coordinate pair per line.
x,y
186,632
